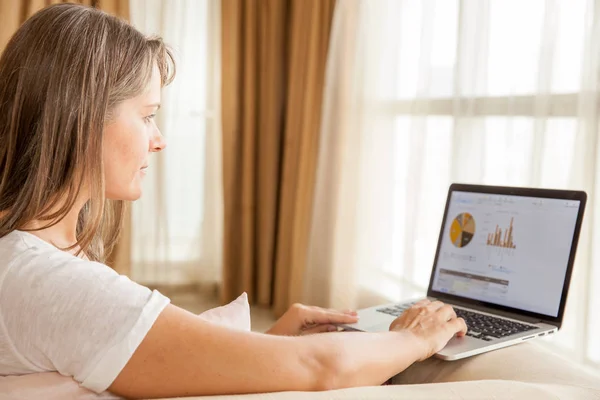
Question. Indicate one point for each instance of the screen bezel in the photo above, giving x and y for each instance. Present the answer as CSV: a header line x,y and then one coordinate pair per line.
x,y
580,196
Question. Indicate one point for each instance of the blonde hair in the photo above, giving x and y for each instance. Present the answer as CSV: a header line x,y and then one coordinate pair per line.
x,y
61,76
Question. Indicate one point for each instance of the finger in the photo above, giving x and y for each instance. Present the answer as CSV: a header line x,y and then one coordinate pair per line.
x,y
421,303
333,311
320,329
320,316
446,313
434,306
429,308
459,326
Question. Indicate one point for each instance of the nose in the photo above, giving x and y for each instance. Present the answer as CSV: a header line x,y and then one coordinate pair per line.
x,y
157,142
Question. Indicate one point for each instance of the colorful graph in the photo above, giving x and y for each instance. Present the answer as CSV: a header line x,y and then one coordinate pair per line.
x,y
502,238
462,230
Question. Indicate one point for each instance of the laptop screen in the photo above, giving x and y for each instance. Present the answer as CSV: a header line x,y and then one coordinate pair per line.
x,y
507,250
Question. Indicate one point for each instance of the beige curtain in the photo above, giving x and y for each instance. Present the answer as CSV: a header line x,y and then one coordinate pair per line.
x,y
12,14
179,248
273,65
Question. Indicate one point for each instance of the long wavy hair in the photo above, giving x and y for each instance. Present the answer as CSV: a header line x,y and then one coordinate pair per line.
x,y
61,76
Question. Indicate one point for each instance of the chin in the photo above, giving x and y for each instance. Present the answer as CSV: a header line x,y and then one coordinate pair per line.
x,y
131,195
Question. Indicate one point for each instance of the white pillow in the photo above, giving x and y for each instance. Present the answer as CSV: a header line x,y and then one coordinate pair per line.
x,y
234,315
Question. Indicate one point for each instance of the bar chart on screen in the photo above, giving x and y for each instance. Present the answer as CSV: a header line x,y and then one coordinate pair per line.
x,y
500,243
502,238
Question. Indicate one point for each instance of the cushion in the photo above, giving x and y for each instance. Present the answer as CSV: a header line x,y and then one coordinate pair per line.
x,y
472,390
234,315
531,362
48,386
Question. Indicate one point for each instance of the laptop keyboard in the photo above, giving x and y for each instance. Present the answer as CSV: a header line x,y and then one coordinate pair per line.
x,y
396,310
487,328
481,326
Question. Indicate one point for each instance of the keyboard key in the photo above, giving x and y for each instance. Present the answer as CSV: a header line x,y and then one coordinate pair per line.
x,y
490,327
481,326
395,310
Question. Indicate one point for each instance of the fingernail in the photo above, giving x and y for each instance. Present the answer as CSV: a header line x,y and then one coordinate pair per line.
x,y
332,328
351,312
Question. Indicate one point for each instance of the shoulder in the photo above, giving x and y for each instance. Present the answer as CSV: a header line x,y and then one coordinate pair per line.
x,y
22,249
45,278
38,267
15,243
67,314
19,243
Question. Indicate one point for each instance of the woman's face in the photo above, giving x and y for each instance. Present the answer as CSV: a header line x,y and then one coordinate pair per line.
x,y
128,141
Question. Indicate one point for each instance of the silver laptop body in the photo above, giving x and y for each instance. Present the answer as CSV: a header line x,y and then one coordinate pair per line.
x,y
504,261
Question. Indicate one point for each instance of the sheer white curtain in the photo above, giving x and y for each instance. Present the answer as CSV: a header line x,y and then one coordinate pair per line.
x,y
421,94
177,224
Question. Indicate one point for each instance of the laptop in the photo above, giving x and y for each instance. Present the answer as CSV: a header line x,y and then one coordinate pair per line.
x,y
504,260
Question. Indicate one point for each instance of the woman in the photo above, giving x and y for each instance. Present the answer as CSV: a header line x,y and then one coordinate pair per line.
x,y
78,93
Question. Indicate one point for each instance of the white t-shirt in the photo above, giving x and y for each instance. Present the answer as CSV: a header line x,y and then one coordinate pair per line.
x,y
61,313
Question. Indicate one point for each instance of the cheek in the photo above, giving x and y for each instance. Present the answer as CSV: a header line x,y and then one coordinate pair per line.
x,y
125,149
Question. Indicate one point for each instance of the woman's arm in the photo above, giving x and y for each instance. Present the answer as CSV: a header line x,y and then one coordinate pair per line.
x,y
183,355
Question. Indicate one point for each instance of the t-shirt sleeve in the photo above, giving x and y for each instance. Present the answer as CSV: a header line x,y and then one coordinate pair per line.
x,y
77,317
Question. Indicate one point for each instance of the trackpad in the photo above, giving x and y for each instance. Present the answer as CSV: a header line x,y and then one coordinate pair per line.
x,y
384,327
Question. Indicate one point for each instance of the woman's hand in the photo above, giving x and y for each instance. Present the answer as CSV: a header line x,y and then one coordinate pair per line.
x,y
306,320
432,323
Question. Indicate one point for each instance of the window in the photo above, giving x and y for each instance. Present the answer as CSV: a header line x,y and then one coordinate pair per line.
x,y
497,92
169,244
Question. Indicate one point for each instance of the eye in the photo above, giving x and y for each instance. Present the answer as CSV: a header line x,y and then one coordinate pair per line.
x,y
149,118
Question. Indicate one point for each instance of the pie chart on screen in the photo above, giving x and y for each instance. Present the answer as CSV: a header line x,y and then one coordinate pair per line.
x,y
462,230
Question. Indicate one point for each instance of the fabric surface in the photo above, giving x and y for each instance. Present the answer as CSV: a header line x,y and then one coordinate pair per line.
x,y
480,390
527,362
235,315
47,386
273,72
61,313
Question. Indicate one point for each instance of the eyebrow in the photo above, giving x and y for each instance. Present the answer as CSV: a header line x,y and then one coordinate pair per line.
x,y
157,105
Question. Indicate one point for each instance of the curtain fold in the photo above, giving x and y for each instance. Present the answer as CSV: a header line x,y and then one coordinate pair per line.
x,y
176,232
14,12
274,55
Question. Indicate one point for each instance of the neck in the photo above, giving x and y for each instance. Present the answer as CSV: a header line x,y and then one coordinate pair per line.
x,y
64,233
